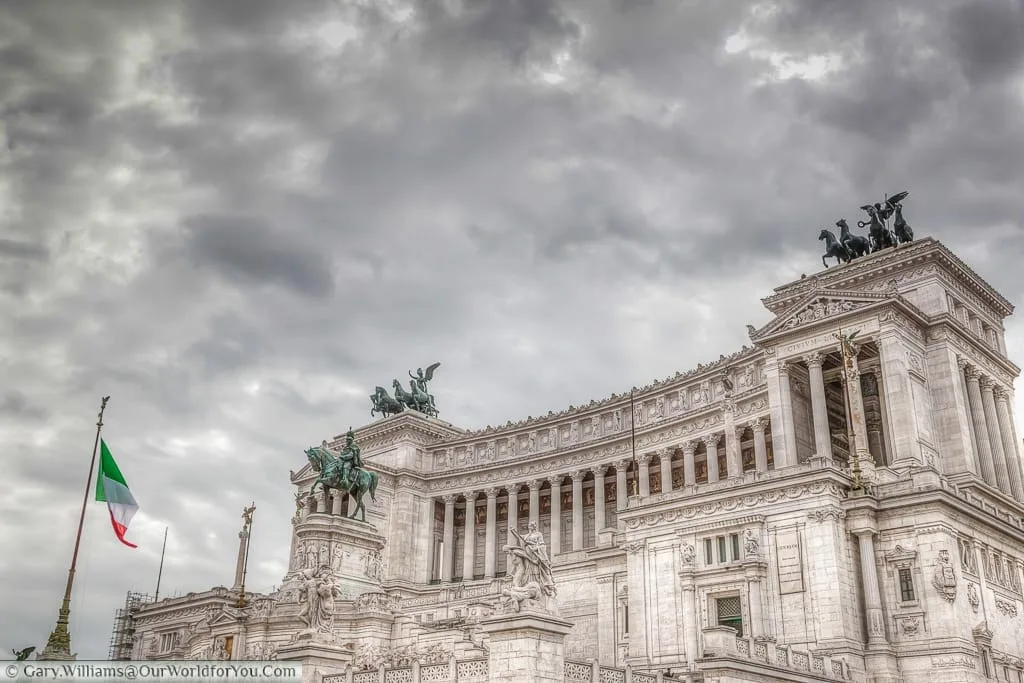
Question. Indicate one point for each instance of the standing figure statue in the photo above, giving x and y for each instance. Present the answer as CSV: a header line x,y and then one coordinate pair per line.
x,y
530,569
881,236
900,227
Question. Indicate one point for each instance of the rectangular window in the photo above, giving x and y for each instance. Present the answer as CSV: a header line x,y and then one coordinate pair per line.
x,y
729,613
906,586
735,540
709,557
722,557
166,642
229,642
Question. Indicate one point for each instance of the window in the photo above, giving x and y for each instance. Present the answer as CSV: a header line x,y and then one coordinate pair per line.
x,y
906,586
729,613
709,557
229,642
722,556
735,540
722,549
166,642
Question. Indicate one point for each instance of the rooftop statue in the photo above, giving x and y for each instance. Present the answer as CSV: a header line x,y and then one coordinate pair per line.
x,y
22,655
417,397
849,246
530,569
344,472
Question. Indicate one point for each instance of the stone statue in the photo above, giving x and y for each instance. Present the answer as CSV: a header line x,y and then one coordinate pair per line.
x,y
384,404
247,516
22,655
944,578
750,544
687,555
834,249
532,583
344,473
317,594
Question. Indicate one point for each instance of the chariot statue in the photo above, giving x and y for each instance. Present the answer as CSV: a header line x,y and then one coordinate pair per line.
x,y
343,471
416,397
849,246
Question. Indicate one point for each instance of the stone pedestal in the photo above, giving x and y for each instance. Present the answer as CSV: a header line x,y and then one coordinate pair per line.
x,y
526,647
352,550
317,658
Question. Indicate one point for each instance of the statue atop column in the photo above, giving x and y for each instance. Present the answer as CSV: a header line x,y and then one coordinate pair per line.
x,y
530,569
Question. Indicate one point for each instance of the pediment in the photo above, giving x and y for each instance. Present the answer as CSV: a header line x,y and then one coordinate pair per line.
x,y
225,616
816,307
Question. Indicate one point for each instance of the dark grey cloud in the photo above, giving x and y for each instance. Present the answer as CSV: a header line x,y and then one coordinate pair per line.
x,y
237,218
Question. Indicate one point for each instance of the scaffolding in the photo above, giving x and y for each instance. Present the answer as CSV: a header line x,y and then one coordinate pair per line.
x,y
122,639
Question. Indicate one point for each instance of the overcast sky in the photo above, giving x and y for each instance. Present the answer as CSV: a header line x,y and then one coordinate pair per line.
x,y
237,218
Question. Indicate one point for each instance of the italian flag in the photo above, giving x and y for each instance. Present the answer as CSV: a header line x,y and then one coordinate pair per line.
x,y
112,488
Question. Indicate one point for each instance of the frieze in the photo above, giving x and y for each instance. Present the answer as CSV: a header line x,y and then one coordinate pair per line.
x,y
824,514
973,356
737,503
954,661
903,323
1007,607
176,615
821,341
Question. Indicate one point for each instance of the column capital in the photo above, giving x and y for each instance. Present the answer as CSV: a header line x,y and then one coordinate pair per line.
x,y
643,458
690,446
599,470
556,480
739,429
813,359
470,496
962,363
534,485
711,440
578,476
760,424
972,372
785,367
622,466
987,385
449,498
1001,393
491,493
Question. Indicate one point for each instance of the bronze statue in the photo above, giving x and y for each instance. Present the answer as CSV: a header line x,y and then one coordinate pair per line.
x,y
857,245
22,655
417,397
900,227
343,472
833,249
384,404
247,515
881,236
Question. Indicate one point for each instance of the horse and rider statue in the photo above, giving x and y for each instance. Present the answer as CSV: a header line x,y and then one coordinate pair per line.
x,y
417,397
343,472
848,246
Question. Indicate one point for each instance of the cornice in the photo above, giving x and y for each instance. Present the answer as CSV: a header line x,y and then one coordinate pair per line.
x,y
902,503
947,328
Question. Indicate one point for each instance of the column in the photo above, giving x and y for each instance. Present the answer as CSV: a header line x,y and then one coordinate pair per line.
x,y
711,445
600,520
988,403
336,500
243,543
534,502
873,422
620,485
822,436
856,409
666,470
555,540
872,597
789,457
689,468
577,510
760,445
513,512
469,537
690,633
733,457
449,537
490,552
754,598
1009,443
985,461
645,474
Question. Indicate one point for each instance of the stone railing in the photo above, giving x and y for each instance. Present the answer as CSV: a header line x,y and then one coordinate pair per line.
x,y
593,672
453,671
722,642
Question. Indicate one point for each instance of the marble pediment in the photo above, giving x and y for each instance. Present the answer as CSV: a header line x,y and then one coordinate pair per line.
x,y
816,307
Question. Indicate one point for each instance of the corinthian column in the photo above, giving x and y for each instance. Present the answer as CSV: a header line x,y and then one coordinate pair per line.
x,y
449,537
760,445
665,462
534,487
689,465
621,494
469,540
577,510
819,409
645,474
1013,463
788,456
711,445
872,596
513,513
988,403
600,520
490,552
985,460
556,514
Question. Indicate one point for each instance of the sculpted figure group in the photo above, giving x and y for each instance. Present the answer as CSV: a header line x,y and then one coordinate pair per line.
x,y
880,236
416,398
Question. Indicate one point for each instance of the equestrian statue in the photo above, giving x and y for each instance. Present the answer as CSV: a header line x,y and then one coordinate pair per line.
x,y
343,472
849,246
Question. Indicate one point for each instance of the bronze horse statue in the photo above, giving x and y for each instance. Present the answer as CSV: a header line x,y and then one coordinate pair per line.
x,y
857,245
881,236
900,226
415,399
360,481
834,249
384,404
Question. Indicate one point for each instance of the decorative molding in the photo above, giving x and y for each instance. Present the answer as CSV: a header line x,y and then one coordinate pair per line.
x,y
824,514
1007,607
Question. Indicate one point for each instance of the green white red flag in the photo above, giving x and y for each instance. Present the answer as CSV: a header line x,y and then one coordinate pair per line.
x,y
112,488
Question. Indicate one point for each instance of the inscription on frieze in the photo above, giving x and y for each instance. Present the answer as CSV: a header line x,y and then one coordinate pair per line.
x,y
789,561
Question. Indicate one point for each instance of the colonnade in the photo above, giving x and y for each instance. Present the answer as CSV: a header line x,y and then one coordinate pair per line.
x,y
992,431
599,484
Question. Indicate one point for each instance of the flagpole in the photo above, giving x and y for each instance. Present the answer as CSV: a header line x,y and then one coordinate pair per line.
x,y
58,645
160,572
